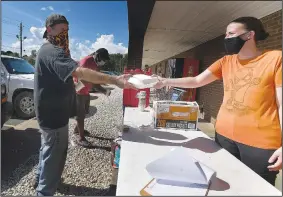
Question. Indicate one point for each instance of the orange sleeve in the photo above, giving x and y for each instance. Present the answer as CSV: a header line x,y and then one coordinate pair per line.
x,y
278,73
216,68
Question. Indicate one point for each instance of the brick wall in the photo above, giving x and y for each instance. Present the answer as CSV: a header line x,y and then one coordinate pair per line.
x,y
211,95
273,25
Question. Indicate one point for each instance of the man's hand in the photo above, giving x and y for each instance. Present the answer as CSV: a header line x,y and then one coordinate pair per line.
x,y
277,156
122,82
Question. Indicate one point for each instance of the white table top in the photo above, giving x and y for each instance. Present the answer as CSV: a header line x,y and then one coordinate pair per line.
x,y
140,147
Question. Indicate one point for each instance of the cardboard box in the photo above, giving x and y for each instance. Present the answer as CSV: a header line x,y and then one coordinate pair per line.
x,y
176,114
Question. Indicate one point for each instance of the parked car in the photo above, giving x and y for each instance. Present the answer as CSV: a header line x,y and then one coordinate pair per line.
x,y
20,75
6,107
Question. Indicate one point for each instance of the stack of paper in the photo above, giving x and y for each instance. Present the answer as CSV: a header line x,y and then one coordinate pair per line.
x,y
141,81
178,174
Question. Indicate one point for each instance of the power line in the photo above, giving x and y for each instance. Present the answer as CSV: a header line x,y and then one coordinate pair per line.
x,y
14,23
11,19
19,36
9,35
8,23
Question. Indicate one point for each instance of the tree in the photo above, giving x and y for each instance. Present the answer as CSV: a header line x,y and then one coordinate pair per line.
x,y
33,54
16,55
31,61
32,57
116,63
10,53
25,57
124,62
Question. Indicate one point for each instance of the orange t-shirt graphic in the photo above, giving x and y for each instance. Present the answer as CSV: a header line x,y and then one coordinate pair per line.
x,y
249,112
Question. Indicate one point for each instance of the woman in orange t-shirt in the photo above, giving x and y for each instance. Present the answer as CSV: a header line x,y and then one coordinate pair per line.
x,y
250,118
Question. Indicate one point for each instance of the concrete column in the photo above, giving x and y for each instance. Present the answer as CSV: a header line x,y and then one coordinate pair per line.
x,y
139,12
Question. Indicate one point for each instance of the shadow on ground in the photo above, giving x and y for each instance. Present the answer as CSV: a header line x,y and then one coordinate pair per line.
x,y
93,97
98,92
92,111
68,189
103,138
17,146
162,138
108,149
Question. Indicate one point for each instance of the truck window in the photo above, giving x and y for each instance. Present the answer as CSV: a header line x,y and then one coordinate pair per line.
x,y
17,66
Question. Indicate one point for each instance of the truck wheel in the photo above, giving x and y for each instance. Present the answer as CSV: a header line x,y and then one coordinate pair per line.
x,y
24,105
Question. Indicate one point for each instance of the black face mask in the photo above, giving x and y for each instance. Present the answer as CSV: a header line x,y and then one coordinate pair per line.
x,y
234,45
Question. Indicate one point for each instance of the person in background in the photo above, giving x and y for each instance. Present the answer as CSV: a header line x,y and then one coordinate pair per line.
x,y
53,89
94,61
249,121
146,68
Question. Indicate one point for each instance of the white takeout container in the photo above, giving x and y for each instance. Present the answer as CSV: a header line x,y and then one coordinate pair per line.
x,y
142,81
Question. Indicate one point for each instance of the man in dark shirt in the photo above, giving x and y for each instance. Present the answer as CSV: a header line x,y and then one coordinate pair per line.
x,y
53,91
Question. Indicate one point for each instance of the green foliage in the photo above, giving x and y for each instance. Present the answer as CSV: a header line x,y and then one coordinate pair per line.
x,y
10,53
116,63
30,59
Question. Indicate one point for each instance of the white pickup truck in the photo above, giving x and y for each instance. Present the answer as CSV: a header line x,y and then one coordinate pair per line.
x,y
20,76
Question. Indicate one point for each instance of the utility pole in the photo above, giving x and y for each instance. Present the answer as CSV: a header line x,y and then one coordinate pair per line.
x,y
21,39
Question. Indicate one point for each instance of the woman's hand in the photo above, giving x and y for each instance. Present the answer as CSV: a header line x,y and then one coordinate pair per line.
x,y
277,158
161,82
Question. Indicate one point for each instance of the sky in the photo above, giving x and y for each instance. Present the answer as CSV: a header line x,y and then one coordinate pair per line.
x,y
92,24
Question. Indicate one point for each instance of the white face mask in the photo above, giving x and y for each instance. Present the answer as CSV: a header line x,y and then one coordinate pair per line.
x,y
101,63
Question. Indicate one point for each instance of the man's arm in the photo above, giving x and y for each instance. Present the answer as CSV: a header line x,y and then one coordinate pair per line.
x,y
88,62
95,77
65,67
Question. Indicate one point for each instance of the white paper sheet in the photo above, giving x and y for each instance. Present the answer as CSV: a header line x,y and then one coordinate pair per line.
x,y
142,81
178,169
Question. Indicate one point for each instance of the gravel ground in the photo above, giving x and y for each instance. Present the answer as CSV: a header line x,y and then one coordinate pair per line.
x,y
87,171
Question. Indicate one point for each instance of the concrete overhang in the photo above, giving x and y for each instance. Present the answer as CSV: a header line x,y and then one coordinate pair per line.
x,y
177,26
139,13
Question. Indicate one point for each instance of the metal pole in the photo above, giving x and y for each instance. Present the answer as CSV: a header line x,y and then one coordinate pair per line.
x,y
21,39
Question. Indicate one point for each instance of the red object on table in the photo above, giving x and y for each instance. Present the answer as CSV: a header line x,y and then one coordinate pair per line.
x,y
191,69
129,95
